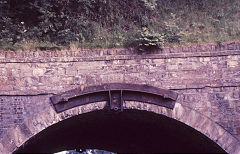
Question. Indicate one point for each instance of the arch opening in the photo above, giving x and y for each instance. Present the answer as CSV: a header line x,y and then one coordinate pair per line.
x,y
123,132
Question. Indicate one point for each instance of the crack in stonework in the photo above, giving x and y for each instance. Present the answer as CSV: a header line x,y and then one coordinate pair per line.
x,y
204,87
40,94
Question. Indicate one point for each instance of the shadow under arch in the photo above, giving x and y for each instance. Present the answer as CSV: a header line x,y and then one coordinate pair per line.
x,y
131,131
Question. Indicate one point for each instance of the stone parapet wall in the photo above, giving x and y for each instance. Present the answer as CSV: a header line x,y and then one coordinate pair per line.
x,y
118,54
28,78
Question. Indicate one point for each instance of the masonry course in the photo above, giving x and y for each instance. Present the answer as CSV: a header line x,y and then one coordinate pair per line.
x,y
206,77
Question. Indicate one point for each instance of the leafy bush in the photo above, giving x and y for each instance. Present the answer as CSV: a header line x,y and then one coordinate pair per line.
x,y
54,22
148,41
172,32
60,26
10,32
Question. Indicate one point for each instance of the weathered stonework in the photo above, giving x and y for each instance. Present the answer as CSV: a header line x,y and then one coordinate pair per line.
x,y
206,77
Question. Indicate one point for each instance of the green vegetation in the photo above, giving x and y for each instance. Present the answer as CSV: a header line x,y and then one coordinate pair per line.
x,y
146,24
147,41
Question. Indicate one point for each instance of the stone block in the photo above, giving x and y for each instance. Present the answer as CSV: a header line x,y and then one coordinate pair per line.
x,y
238,130
180,113
67,80
20,134
2,149
3,72
6,88
8,143
40,121
226,141
235,148
172,67
220,96
232,63
71,71
39,71
61,71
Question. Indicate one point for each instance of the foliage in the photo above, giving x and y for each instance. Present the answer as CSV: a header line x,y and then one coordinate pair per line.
x,y
10,32
148,41
173,33
115,23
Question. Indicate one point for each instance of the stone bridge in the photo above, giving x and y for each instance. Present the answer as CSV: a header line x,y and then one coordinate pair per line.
x,y
201,83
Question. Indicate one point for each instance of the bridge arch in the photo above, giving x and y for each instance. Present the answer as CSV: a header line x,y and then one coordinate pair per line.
x,y
15,139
